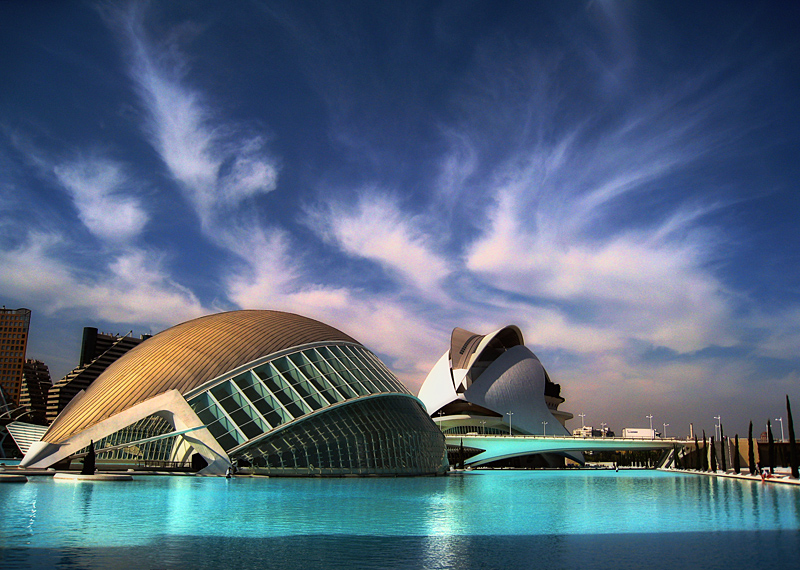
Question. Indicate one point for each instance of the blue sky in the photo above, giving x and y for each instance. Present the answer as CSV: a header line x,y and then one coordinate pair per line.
x,y
619,179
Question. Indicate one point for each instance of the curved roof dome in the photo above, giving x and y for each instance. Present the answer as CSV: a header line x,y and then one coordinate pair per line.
x,y
187,356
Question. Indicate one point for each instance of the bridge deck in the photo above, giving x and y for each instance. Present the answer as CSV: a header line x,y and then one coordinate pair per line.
x,y
503,446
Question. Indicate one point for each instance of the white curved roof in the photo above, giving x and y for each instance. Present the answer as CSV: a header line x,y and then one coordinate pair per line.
x,y
509,380
438,389
515,383
455,370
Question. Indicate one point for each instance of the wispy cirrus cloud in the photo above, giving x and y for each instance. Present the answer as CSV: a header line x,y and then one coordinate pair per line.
x,y
275,275
577,219
376,228
133,286
101,191
217,163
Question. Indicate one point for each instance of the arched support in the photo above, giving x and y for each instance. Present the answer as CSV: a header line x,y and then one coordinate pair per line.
x,y
169,405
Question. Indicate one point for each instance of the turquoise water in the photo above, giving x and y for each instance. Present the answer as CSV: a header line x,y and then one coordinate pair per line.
x,y
483,519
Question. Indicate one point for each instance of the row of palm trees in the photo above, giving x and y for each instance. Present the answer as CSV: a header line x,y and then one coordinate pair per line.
x,y
700,461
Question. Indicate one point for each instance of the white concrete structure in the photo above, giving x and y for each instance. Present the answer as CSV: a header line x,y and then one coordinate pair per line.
x,y
493,385
170,405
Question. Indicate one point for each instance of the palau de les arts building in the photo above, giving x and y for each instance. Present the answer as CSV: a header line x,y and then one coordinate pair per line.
x,y
284,394
494,385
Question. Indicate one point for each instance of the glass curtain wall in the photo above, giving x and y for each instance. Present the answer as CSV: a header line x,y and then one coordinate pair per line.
x,y
475,430
152,426
387,434
288,387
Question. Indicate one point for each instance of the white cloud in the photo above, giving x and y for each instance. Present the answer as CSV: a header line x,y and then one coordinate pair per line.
x,y
650,283
216,164
268,268
132,288
376,228
101,190
778,332
275,278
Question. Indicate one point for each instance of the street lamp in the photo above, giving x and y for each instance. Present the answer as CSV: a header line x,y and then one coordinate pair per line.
x,y
509,414
716,425
652,433
780,420
544,428
665,431
604,425
582,416
483,426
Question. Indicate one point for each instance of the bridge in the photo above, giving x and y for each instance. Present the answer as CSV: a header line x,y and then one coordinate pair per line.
x,y
504,446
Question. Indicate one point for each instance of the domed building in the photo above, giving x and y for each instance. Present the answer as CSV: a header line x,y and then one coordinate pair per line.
x,y
279,392
494,385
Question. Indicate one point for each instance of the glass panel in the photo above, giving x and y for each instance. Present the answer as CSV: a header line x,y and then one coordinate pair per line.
x,y
333,377
389,435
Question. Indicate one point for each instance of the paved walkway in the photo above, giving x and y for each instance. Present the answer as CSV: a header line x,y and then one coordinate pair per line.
x,y
778,478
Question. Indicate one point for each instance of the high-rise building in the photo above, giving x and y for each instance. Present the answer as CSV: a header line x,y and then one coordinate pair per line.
x,y
98,351
36,384
14,325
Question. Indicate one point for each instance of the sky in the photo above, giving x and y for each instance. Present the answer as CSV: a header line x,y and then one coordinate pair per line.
x,y
618,179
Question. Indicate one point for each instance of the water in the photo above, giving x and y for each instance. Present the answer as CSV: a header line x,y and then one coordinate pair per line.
x,y
483,519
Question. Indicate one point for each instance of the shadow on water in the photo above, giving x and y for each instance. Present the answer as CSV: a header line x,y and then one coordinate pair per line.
x,y
723,550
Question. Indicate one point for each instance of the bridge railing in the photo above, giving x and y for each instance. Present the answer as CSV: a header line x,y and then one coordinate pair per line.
x,y
571,437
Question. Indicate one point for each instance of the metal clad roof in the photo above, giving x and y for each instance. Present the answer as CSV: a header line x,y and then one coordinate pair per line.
x,y
187,356
462,344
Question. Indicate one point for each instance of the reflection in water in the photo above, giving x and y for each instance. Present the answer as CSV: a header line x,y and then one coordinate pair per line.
x,y
504,518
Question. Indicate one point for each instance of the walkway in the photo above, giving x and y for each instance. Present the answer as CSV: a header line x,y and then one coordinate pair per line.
x,y
503,446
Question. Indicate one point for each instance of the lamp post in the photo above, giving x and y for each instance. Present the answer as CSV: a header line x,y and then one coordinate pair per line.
x,y
780,420
665,431
652,433
483,427
509,414
603,426
582,417
544,428
716,425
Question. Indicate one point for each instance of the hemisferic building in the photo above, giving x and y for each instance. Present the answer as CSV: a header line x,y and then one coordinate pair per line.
x,y
278,392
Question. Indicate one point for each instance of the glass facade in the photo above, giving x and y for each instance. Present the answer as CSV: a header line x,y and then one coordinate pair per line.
x,y
324,409
474,430
281,390
379,435
159,450
389,434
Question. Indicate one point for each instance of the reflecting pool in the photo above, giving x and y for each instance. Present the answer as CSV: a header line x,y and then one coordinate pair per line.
x,y
482,519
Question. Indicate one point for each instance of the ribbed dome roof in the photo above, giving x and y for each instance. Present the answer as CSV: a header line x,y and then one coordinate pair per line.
x,y
187,356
